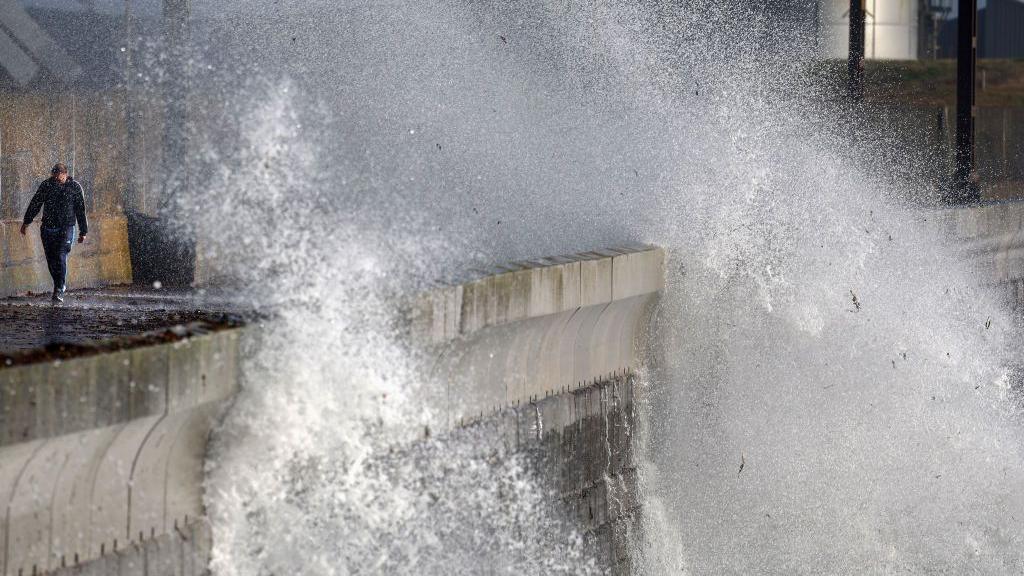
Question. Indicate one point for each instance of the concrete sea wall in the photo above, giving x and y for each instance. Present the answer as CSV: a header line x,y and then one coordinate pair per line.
x,y
540,328
103,260
101,457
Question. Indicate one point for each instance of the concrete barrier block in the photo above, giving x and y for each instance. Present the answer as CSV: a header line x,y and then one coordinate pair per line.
x,y
595,281
184,374
554,289
216,380
17,404
44,401
546,291
72,384
452,312
114,388
147,392
511,294
204,347
475,303
218,364
436,315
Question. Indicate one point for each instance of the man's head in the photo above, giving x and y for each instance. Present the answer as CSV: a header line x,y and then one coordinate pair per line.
x,y
60,172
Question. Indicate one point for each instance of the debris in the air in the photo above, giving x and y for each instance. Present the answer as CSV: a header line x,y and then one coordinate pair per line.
x,y
743,462
856,302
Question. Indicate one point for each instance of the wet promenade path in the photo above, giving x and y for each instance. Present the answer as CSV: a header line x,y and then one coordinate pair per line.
x,y
96,320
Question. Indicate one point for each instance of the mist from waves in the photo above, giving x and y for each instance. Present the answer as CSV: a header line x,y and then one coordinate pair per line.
x,y
827,390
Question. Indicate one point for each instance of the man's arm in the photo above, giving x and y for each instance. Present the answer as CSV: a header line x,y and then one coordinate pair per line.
x,y
83,223
34,206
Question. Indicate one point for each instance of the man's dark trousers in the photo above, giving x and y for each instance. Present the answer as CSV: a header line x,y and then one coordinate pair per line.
x,y
57,244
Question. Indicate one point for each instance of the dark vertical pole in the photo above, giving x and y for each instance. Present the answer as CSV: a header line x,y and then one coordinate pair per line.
x,y
965,180
855,64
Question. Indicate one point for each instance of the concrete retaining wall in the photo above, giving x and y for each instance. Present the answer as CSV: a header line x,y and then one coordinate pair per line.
x,y
103,260
103,454
538,328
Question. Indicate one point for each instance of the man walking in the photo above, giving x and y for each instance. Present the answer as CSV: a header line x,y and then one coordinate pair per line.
x,y
63,203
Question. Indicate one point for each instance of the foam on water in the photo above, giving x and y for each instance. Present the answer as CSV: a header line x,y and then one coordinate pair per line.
x,y
823,396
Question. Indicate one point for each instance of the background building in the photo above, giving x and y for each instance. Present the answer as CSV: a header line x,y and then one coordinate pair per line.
x,y
1000,31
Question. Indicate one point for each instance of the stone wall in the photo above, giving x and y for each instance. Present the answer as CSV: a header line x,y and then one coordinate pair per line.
x,y
103,259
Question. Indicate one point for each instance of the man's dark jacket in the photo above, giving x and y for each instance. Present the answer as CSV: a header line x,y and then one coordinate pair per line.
x,y
63,205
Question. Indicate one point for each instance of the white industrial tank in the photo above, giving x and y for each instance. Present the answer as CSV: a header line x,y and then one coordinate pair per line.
x,y
890,31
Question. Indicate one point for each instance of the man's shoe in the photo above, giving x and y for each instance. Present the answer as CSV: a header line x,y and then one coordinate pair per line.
x,y
57,298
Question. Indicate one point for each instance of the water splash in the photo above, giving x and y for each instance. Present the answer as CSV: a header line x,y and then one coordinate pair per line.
x,y
824,395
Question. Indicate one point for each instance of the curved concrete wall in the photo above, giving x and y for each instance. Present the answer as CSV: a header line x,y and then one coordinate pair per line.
x,y
101,261
105,452
538,328
101,457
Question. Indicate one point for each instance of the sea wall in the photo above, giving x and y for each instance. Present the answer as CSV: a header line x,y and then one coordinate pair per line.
x,y
102,260
101,457
539,328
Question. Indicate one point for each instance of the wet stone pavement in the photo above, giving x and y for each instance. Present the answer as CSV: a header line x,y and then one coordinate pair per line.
x,y
92,321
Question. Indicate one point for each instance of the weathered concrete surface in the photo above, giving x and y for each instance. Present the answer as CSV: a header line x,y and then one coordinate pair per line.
x,y
992,238
103,260
184,551
105,452
587,440
538,328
